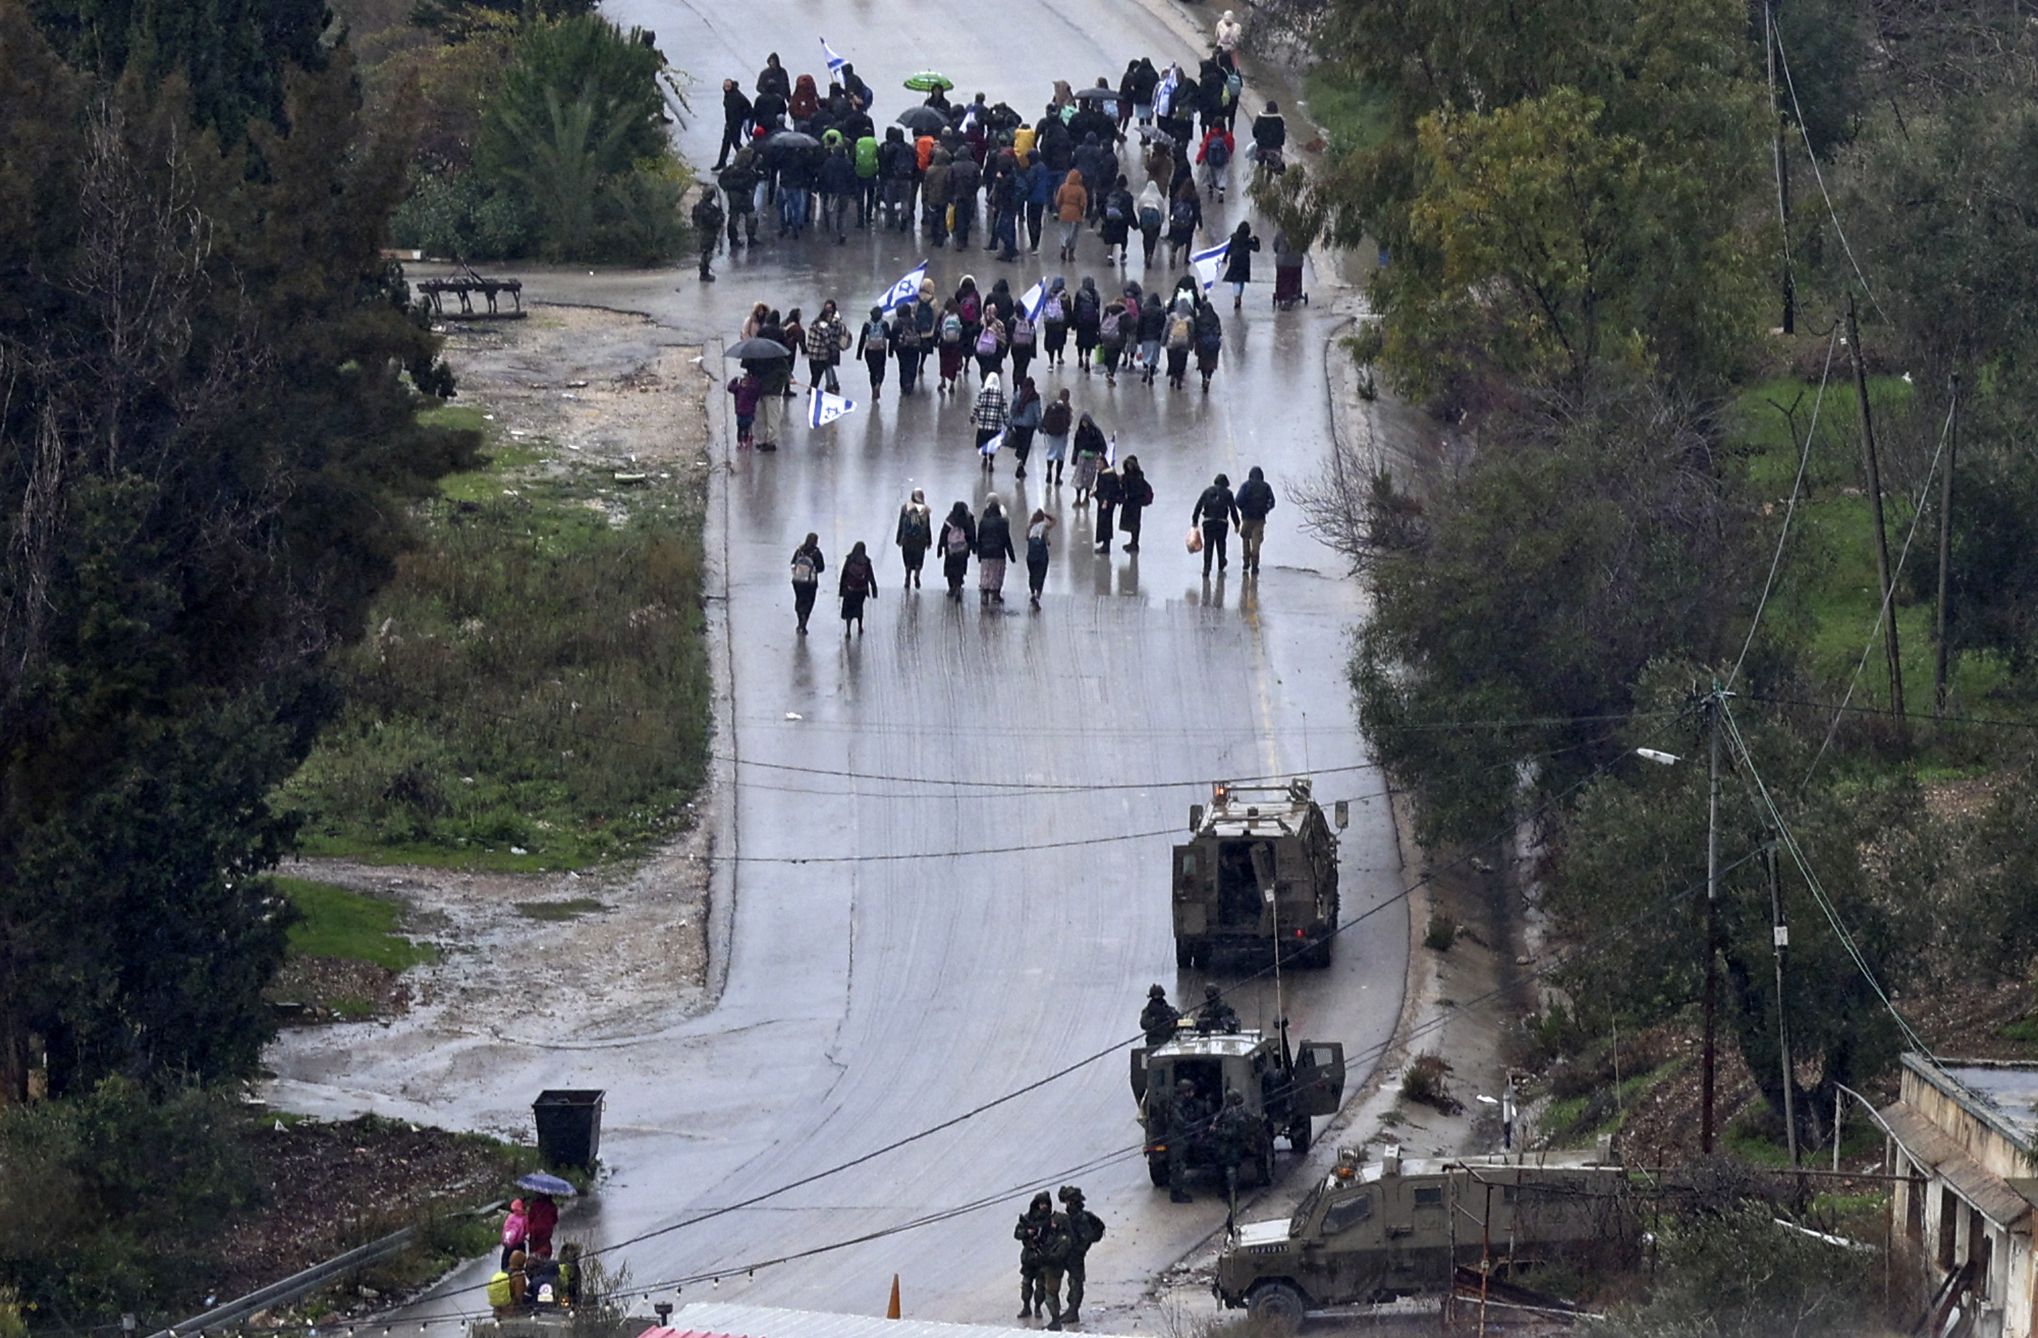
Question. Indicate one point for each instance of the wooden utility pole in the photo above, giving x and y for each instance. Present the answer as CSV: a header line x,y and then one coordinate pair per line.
x,y
1945,548
1782,160
1874,468
1708,1064
1780,935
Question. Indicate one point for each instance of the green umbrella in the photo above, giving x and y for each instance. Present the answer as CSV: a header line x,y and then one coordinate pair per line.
x,y
928,80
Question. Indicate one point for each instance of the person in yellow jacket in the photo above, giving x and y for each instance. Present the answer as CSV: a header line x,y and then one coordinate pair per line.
x,y
1022,144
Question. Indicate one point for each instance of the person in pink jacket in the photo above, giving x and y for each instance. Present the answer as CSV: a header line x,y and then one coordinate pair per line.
x,y
515,1228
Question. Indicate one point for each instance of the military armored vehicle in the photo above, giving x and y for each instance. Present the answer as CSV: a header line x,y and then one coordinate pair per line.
x,y
1259,869
1285,1089
1398,1228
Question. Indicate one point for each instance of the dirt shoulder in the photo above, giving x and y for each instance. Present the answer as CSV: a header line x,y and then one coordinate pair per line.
x,y
579,956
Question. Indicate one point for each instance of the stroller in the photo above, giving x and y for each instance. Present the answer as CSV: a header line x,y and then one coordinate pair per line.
x,y
1288,288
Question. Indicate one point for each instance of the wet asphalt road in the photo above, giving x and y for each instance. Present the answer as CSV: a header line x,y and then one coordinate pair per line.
x,y
886,983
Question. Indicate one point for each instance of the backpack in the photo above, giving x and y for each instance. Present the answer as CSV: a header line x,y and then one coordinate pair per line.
x,y
1055,422
1219,152
1022,333
987,343
1234,84
803,568
875,337
1111,330
856,579
1180,330
1087,303
1183,216
918,523
1114,210
1051,310
971,308
1149,219
951,329
958,541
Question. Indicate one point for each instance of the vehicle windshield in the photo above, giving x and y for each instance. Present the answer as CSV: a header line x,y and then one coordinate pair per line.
x,y
1305,1209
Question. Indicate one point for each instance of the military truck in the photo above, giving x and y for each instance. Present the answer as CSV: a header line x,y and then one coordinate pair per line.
x,y
1285,1089
1397,1228
1259,869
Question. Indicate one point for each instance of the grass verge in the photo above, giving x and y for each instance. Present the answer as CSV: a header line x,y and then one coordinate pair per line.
x,y
347,925
534,690
1354,113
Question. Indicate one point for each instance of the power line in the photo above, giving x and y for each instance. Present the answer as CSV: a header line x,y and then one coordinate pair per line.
x,y
1850,709
1819,897
1888,595
1789,510
1783,60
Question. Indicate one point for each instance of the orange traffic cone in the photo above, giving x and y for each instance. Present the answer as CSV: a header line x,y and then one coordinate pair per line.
x,y
892,1310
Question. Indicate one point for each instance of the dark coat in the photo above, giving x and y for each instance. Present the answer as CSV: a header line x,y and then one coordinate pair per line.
x,y
1255,499
1135,494
1238,259
994,536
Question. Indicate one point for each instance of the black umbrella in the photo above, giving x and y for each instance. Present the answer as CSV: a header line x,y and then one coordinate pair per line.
x,y
756,349
794,139
922,119
1096,95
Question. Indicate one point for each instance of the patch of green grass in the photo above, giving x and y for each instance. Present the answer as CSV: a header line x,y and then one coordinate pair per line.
x,y
1357,115
1755,1137
1576,1120
559,910
2024,1031
346,924
533,692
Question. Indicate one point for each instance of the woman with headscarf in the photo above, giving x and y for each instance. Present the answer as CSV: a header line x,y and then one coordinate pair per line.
x,y
1056,420
1086,314
805,102
994,550
958,540
915,536
1071,207
808,564
1090,448
1151,210
1153,331
990,345
1023,420
1036,553
873,345
1238,261
1111,337
1181,339
1054,321
857,583
950,333
1185,215
987,416
1135,495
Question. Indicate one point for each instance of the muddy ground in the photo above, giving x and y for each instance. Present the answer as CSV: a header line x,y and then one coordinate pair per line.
x,y
587,395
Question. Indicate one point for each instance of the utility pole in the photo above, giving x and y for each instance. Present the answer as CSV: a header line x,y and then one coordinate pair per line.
x,y
1782,159
1712,920
1780,932
1945,547
1889,633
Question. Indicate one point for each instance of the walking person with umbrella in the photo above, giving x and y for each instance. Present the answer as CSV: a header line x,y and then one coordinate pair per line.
x,y
541,1210
770,363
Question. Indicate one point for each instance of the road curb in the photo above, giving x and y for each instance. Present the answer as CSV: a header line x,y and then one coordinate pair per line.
x,y
721,925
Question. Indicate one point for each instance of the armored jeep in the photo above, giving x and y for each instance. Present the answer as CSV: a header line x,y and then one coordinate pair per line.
x,y
1285,1089
1259,870
1394,1229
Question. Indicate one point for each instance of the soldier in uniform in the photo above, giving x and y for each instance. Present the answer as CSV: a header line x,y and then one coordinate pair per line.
x,y
1159,1017
1031,1233
1184,1116
707,223
1238,1135
1057,1241
1215,1014
1085,1230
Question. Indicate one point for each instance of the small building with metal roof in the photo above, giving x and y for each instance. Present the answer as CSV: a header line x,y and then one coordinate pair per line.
x,y
1964,1135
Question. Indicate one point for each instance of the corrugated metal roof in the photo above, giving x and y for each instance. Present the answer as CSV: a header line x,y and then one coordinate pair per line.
x,y
1941,1156
756,1321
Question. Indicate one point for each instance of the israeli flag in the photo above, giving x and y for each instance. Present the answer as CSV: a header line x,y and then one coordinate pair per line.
x,y
835,62
906,291
1164,96
989,449
1111,452
1031,301
1208,263
823,408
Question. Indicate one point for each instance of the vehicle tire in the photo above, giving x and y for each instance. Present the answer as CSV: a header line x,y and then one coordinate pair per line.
x,y
1276,1307
1157,1171
1185,954
1299,1135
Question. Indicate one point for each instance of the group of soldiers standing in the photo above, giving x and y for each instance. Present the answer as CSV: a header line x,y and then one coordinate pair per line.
x,y
1052,1248
1175,1118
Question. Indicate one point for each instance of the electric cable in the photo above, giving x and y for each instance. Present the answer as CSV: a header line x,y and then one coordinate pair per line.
x,y
1783,60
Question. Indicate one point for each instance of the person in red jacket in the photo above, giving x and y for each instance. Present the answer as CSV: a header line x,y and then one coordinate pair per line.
x,y
541,1219
1214,156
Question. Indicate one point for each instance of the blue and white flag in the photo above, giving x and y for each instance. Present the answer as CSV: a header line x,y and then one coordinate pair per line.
x,y
906,290
1033,299
835,62
989,449
1208,263
1111,452
823,408
1164,96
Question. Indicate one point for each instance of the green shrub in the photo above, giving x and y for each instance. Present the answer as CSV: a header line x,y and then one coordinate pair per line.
x,y
110,1195
461,216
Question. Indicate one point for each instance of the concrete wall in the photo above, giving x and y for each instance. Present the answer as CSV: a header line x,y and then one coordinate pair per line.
x,y
1944,1227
